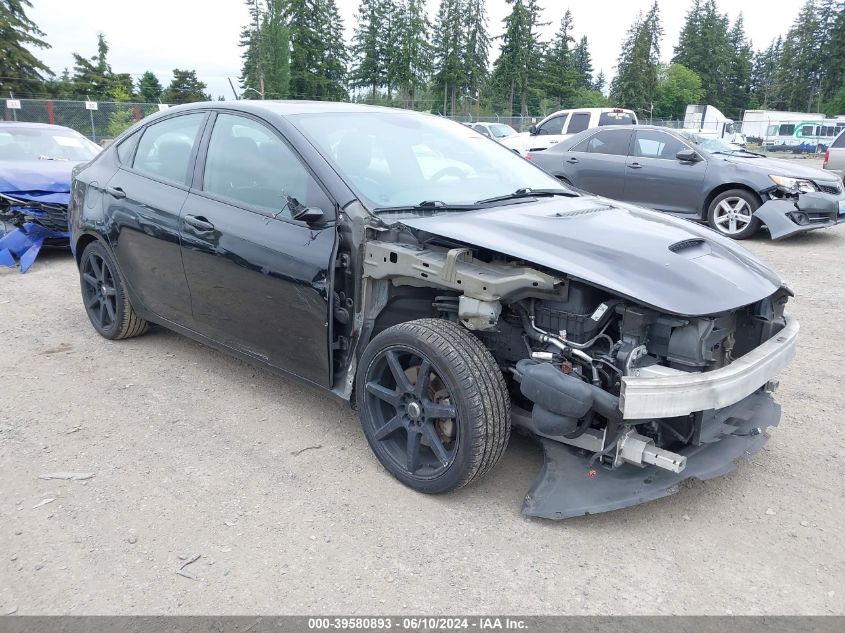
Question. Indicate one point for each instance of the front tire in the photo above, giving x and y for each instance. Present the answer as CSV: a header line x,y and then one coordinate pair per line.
x,y
731,213
433,404
104,296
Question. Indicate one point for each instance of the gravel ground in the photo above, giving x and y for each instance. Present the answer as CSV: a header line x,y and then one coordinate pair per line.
x,y
195,453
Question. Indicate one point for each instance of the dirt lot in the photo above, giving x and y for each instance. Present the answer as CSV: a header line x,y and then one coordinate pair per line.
x,y
196,453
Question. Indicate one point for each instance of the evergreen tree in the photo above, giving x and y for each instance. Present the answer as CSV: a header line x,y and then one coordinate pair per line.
x,y
583,64
149,88
636,81
704,47
335,56
368,52
833,59
318,53
61,87
560,71
120,87
510,71
798,74
92,76
449,37
738,85
764,90
22,72
266,58
600,82
413,51
185,88
477,46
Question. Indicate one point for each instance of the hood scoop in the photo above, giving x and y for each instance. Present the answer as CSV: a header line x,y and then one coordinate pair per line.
x,y
683,245
574,213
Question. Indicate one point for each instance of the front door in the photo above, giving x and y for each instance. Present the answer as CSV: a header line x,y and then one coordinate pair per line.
x,y
259,279
655,178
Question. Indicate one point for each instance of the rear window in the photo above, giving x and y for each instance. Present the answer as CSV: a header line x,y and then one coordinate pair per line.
x,y
617,118
839,142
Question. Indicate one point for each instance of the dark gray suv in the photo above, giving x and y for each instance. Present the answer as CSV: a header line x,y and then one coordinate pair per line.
x,y
735,191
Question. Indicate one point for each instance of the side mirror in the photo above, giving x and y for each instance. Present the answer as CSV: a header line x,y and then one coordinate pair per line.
x,y
298,211
533,131
688,156
310,215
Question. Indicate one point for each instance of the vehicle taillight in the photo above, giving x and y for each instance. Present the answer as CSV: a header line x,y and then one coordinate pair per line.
x,y
826,158
528,157
618,110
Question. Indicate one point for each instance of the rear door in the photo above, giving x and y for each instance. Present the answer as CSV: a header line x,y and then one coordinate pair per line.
x,y
259,279
654,177
597,164
144,200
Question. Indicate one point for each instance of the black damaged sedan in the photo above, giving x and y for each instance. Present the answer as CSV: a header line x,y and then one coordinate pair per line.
x,y
444,287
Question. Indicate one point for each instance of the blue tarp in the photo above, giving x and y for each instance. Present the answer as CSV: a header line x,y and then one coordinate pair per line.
x,y
23,244
31,183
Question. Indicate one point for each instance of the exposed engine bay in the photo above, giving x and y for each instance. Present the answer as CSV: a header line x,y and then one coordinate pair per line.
x,y
580,361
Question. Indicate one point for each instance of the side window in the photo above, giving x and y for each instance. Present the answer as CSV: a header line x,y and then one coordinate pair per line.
x,y
613,142
165,148
651,144
124,150
839,142
247,162
787,129
553,126
482,130
578,122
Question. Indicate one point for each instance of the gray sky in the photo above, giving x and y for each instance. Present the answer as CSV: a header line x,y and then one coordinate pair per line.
x,y
160,35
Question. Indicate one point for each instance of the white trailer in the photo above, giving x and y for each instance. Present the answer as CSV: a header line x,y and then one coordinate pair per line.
x,y
791,131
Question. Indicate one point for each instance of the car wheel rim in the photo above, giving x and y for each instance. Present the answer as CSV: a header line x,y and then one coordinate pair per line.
x,y
99,291
732,215
412,415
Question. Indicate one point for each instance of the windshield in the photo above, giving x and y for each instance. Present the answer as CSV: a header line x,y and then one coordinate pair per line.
x,y
36,143
710,144
400,159
500,130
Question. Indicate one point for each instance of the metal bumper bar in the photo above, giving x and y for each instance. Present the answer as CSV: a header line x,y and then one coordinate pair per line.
x,y
663,392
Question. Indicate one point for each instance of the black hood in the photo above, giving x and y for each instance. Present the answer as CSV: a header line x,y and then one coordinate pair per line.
x,y
670,264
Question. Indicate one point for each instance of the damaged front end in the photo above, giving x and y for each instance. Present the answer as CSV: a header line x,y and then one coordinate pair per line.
x,y
790,215
627,399
28,222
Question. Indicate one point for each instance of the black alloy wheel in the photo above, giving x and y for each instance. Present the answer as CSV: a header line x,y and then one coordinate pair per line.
x,y
104,296
433,404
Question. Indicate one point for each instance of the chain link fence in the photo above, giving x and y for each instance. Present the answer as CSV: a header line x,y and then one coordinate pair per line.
x,y
98,121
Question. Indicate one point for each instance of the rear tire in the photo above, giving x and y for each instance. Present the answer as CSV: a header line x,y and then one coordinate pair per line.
x,y
104,296
731,213
433,404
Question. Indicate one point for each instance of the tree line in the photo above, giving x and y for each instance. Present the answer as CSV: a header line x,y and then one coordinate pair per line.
x,y
295,49
25,76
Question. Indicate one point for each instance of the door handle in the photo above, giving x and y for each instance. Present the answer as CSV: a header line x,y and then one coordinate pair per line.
x,y
572,160
635,166
199,222
116,192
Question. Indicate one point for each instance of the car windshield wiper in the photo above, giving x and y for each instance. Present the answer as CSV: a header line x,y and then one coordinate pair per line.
x,y
528,193
427,205
737,151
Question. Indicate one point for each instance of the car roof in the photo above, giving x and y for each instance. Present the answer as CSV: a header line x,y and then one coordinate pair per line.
x,y
284,108
27,124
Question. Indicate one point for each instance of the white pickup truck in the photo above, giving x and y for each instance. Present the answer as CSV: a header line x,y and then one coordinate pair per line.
x,y
556,127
